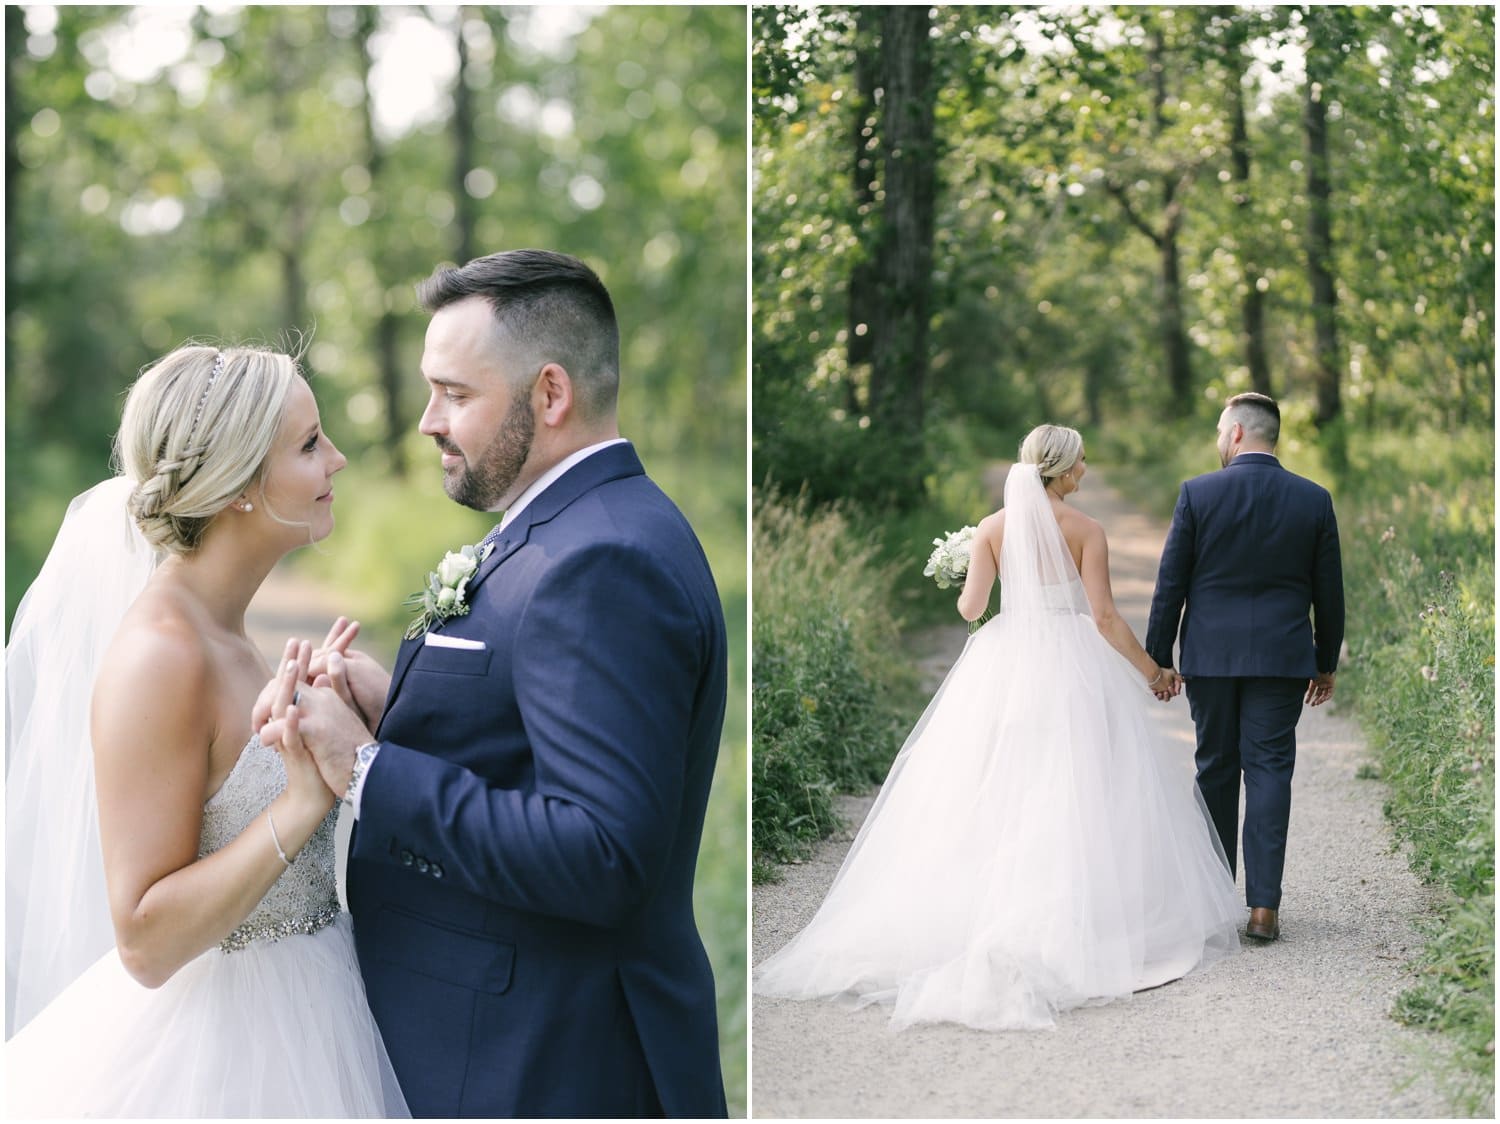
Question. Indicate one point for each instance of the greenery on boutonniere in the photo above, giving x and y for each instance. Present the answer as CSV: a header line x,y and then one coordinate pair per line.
x,y
443,597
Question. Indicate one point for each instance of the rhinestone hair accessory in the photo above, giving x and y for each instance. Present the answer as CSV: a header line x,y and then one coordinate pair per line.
x,y
213,377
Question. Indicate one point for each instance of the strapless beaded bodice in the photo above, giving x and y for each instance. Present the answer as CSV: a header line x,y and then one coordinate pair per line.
x,y
305,898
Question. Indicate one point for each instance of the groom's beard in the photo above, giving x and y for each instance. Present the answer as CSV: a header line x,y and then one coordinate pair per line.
x,y
482,485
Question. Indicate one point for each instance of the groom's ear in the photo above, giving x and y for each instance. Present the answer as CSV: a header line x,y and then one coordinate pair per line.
x,y
554,386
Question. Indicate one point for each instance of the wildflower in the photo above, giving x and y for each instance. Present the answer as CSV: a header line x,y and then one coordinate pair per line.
x,y
1429,673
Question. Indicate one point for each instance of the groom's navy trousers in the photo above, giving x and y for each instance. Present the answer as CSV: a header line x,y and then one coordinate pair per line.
x,y
521,874
1251,551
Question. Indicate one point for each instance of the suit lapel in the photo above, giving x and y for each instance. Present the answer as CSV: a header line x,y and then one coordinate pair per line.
x,y
510,540
607,464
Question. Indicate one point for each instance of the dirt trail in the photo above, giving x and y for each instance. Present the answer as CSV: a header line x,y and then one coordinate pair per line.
x,y
1297,1028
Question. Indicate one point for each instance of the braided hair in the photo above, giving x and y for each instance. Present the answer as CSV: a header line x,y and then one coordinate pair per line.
x,y
1054,449
197,427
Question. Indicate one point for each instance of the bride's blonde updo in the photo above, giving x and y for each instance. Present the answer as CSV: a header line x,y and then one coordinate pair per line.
x,y
197,427
1054,449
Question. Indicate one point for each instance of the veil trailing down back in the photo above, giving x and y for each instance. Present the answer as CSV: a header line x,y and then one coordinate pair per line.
x,y
1036,846
56,910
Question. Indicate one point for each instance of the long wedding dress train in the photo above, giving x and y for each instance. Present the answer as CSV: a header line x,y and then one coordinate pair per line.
x,y
1037,846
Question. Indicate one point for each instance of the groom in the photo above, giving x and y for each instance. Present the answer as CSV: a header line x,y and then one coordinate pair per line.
x,y
530,805
1250,550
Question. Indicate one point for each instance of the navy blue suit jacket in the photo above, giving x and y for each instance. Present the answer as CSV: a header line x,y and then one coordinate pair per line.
x,y
521,874
1251,548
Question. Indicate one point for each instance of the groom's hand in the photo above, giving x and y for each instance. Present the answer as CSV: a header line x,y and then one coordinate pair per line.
x,y
1169,687
329,730
1320,690
360,681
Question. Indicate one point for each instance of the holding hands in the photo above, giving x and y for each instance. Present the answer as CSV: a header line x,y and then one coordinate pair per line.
x,y
322,705
1167,685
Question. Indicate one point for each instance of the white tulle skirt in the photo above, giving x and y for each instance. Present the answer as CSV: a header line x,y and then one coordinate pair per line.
x,y
1037,846
278,1029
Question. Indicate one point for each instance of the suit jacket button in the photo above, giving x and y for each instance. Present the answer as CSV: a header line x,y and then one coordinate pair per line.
x,y
422,865
407,858
437,870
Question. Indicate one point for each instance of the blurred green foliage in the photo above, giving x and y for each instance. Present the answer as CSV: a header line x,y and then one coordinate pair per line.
x,y
831,687
288,173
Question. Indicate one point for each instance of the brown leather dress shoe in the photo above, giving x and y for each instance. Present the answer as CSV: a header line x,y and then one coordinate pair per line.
x,y
1263,925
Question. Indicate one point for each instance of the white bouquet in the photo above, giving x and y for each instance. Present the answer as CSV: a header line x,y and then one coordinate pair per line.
x,y
948,564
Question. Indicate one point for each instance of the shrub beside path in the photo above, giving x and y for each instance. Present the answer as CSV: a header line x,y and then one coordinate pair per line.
x,y
1295,1028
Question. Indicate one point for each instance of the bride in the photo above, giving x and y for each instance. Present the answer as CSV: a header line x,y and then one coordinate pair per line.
x,y
1035,847
154,821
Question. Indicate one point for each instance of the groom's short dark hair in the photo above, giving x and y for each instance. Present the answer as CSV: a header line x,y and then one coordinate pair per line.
x,y
1259,414
548,302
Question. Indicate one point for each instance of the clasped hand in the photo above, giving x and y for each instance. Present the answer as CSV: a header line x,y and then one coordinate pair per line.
x,y
322,704
1169,686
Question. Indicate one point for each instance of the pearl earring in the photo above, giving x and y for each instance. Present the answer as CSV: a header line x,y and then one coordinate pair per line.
x,y
248,507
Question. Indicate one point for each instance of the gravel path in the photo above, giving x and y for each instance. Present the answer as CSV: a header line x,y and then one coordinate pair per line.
x,y
1297,1028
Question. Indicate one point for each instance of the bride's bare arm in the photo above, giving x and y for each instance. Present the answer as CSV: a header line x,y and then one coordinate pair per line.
x,y
153,722
984,566
1112,626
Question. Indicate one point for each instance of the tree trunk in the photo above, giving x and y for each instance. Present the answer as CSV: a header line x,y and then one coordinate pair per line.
x,y
387,328
865,170
1253,307
290,235
387,333
1176,352
294,300
904,263
1320,235
1173,333
466,207
15,48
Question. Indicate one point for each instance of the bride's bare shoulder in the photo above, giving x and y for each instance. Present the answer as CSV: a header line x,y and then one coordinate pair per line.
x,y
1084,524
159,650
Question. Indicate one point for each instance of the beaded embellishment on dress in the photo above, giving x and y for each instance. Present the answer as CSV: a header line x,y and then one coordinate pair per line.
x,y
305,897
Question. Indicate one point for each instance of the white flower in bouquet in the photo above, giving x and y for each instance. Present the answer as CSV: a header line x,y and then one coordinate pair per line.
x,y
948,564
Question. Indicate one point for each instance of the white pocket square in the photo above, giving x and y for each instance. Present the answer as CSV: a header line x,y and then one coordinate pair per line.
x,y
438,640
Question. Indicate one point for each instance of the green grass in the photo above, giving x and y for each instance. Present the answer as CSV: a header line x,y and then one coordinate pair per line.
x,y
1419,572
831,696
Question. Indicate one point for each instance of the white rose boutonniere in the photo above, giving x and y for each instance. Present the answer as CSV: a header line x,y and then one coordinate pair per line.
x,y
443,596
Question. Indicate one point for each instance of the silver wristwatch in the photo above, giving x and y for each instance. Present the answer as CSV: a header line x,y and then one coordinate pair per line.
x,y
362,758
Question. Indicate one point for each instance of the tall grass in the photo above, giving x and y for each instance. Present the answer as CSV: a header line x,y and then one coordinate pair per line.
x,y
830,696
1420,577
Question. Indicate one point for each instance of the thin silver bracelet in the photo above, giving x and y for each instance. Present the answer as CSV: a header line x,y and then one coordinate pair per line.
x,y
1160,671
275,841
